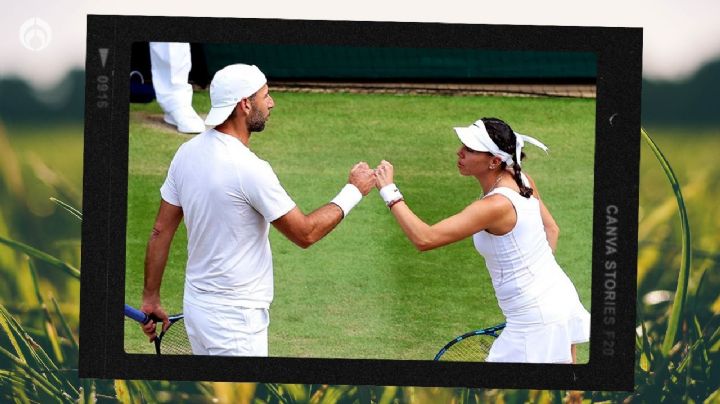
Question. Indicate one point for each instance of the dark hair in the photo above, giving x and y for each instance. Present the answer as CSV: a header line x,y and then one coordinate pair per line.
x,y
504,137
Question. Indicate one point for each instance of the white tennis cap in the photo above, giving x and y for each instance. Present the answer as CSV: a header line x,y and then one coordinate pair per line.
x,y
230,85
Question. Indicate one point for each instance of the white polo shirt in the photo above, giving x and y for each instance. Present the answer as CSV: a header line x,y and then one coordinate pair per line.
x,y
229,196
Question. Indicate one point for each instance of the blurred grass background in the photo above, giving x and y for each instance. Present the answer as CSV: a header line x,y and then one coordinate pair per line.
x,y
39,316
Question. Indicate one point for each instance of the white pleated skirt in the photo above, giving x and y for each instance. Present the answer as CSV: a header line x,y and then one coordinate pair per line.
x,y
543,332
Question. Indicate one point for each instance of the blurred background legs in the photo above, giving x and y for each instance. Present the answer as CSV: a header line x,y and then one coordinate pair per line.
x,y
171,63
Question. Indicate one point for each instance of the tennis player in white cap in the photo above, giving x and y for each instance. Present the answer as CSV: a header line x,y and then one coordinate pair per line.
x,y
516,234
227,197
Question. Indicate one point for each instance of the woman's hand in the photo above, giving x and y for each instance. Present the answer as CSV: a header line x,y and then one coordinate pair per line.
x,y
384,174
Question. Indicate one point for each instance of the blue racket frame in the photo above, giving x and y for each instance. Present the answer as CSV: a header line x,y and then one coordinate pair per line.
x,y
144,318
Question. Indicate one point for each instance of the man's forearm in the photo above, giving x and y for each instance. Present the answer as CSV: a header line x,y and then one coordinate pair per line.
x,y
155,260
322,221
306,230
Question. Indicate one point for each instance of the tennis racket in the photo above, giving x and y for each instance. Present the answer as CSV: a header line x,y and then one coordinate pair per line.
x,y
473,346
174,340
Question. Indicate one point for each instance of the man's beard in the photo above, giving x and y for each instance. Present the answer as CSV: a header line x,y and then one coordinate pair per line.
x,y
256,122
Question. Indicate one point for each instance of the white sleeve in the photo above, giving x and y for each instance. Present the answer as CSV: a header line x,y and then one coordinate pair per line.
x,y
265,193
168,190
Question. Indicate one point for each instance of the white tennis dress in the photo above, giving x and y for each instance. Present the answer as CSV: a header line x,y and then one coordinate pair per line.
x,y
543,312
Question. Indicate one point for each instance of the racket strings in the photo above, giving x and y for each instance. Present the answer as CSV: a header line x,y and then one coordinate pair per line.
x,y
471,349
175,340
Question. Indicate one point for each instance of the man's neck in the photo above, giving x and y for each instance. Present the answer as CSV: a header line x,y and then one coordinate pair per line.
x,y
237,130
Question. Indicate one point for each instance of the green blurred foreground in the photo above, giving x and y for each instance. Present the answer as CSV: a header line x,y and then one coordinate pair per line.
x,y
39,296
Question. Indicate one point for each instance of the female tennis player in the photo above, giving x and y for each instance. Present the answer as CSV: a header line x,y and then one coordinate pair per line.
x,y
517,235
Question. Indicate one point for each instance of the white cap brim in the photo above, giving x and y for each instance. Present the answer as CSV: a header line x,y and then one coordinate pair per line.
x,y
218,115
468,137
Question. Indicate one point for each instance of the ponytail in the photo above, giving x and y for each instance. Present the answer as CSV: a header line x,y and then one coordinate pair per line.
x,y
525,191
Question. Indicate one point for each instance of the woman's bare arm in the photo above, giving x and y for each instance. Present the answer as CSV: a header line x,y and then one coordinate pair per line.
x,y
552,231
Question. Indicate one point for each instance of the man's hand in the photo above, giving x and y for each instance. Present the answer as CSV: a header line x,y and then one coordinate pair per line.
x,y
363,177
384,174
152,307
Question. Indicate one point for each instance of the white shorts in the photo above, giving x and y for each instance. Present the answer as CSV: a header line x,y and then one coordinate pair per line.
x,y
227,330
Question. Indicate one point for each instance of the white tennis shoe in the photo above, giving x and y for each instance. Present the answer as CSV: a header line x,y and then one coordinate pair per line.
x,y
186,120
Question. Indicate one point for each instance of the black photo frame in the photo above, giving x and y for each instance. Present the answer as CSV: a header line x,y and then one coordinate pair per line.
x,y
618,53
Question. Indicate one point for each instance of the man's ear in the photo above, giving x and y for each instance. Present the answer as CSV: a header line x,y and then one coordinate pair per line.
x,y
245,105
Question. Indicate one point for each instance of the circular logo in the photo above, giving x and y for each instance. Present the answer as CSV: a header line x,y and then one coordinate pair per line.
x,y
35,34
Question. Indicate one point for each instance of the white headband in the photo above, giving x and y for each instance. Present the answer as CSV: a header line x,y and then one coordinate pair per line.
x,y
520,140
484,138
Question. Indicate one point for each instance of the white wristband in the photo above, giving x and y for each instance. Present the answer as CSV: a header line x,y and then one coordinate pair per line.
x,y
348,197
390,193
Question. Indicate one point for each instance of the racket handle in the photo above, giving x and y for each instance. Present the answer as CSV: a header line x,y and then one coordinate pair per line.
x,y
136,314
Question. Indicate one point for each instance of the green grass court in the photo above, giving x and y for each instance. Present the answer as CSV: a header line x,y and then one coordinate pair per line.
x,y
364,291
